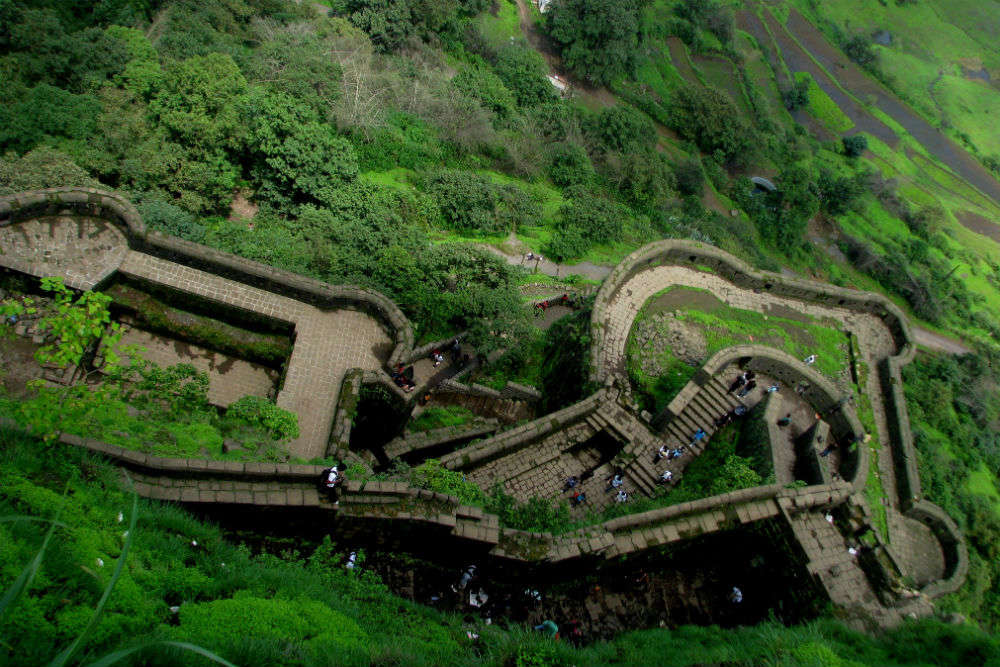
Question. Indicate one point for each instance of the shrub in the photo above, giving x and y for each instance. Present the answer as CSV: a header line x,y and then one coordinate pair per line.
x,y
621,128
262,413
524,72
710,119
597,39
570,165
487,88
472,203
690,177
431,475
854,146
286,631
170,219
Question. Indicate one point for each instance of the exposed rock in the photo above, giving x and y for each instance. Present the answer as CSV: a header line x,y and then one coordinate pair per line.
x,y
229,445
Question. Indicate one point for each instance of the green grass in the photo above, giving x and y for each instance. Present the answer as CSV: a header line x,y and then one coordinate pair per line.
x,y
983,482
441,417
822,107
499,29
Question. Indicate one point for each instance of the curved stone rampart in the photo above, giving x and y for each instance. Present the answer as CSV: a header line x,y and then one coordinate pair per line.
x,y
821,393
904,453
115,208
956,554
741,274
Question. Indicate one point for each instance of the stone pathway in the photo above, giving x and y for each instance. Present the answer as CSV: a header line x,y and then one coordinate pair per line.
x,y
229,378
916,549
327,343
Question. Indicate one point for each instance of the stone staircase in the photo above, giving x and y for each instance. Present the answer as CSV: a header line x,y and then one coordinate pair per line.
x,y
711,402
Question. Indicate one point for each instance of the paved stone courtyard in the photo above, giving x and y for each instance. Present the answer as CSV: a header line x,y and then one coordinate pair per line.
x,y
229,378
84,251
327,343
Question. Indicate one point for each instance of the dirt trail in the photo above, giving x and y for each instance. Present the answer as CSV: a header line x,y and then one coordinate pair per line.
x,y
862,86
799,61
936,341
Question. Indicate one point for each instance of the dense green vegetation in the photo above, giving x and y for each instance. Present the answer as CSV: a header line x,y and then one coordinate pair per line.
x,y
303,607
954,409
380,143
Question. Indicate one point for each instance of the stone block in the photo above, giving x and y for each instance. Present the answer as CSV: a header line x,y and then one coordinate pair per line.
x,y
190,495
206,496
277,498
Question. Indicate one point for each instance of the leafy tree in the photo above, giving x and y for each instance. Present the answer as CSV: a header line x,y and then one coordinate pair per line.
x,y
524,72
473,203
644,177
142,75
690,177
621,128
570,165
483,85
837,193
46,111
296,158
597,39
855,146
169,218
198,103
387,22
710,119
298,65
860,50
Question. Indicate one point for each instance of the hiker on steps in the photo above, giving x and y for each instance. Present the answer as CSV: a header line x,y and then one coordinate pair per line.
x,y
699,435
616,481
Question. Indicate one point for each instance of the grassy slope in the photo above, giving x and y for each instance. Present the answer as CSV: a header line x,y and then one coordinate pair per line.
x,y
724,326
306,609
933,39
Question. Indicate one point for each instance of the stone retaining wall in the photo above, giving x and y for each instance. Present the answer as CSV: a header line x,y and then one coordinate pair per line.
x,y
518,438
412,442
904,453
511,390
115,208
790,372
347,410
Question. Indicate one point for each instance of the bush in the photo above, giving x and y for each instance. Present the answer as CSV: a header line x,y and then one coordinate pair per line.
x,y
431,475
471,203
621,128
287,632
710,119
570,165
854,146
262,413
597,39
170,219
690,177
487,88
524,72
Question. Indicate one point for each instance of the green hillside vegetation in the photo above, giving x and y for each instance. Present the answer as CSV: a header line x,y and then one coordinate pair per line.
x,y
303,607
383,143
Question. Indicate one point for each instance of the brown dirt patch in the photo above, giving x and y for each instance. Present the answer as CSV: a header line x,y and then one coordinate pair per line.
x,y
979,224
242,208
19,365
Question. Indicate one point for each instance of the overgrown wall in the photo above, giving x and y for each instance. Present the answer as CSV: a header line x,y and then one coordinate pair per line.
x,y
118,210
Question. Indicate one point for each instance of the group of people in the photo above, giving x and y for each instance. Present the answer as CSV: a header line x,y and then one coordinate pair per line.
x,y
403,377
565,300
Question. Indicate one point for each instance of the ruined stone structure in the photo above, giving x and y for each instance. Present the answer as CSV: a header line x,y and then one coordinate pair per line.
x,y
346,337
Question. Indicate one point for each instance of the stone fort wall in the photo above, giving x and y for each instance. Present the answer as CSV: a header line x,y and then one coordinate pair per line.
x,y
118,210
